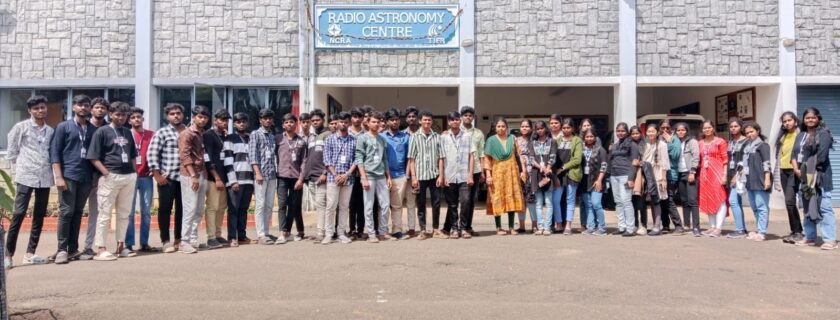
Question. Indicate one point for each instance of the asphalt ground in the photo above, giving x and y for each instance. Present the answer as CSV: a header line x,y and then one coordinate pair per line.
x,y
515,277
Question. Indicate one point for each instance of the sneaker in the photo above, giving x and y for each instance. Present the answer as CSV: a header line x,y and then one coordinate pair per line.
x,y
197,245
423,236
265,240
567,231
588,231
618,232
472,233
546,232
789,238
213,244
797,237
273,237
61,257
538,232
326,240
642,231
696,232
279,241
185,247
168,248
600,232
412,233
88,254
344,239
319,238
222,241
245,240
127,253
7,262
628,234
805,242
298,237
388,237
373,239
678,231
738,234
654,233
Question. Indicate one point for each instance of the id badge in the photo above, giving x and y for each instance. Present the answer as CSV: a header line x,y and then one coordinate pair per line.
x,y
799,157
342,159
376,159
294,157
221,155
206,157
124,157
84,152
586,170
138,161
732,164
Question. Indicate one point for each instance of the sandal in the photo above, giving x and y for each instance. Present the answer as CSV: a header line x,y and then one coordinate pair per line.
x,y
127,253
758,237
501,232
751,235
147,248
105,256
234,243
513,232
829,245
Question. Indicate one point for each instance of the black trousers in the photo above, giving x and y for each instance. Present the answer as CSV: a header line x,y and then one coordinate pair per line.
x,y
434,191
238,204
640,210
167,196
357,207
457,194
790,185
669,208
688,195
24,193
469,208
290,201
71,206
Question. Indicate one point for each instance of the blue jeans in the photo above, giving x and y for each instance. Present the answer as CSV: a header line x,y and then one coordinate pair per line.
x,y
623,203
760,204
543,208
828,224
145,188
737,209
593,210
566,214
532,209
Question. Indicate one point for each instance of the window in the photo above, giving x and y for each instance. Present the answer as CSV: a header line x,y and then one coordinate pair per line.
x,y
247,100
14,113
124,95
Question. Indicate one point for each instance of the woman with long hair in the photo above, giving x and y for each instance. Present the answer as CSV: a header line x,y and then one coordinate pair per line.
x,y
735,152
713,161
586,124
621,166
523,142
542,154
815,171
754,178
655,166
504,192
786,179
639,205
688,166
569,153
594,169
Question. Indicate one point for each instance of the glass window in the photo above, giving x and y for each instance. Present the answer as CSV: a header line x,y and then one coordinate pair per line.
x,y
124,95
91,93
14,111
250,101
280,101
181,96
56,105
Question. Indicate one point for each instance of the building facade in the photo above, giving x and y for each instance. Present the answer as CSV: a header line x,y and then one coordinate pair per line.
x,y
613,60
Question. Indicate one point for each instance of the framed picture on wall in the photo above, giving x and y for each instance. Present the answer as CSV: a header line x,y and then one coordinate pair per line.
x,y
333,106
739,103
721,109
746,104
439,124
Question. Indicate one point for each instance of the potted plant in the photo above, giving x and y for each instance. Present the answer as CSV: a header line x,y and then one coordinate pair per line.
x,y
7,203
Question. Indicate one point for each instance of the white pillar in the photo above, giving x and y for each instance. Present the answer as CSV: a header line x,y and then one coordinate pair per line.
x,y
466,65
145,95
786,93
306,60
625,93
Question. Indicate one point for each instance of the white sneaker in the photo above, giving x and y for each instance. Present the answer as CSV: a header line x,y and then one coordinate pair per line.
x,y
344,239
186,248
326,240
642,231
7,263
280,240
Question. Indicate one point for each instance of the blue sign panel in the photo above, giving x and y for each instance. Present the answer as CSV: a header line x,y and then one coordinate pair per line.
x,y
386,26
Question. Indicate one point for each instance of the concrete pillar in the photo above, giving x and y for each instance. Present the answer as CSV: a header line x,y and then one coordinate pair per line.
x,y
466,65
306,60
625,92
145,95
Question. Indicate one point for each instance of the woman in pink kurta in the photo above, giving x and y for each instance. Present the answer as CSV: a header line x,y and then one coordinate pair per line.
x,y
713,196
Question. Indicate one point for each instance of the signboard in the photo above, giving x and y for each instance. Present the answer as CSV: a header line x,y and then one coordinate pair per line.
x,y
386,26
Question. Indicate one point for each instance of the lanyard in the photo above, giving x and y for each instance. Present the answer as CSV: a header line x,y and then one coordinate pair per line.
x,y
121,138
456,143
140,144
82,132
290,145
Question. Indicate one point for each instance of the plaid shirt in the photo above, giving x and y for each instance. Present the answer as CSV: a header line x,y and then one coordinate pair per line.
x,y
262,152
338,148
163,153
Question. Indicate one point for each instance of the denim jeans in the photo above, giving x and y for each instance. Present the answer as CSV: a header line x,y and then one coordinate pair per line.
x,y
828,224
760,205
738,209
623,203
24,193
594,210
145,188
379,189
544,208
566,214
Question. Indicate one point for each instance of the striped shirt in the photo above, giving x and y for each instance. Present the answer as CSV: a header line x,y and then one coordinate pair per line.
x,y
29,151
237,166
263,152
339,153
163,153
426,150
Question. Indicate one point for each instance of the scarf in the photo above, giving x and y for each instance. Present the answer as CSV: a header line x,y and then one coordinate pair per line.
x,y
494,149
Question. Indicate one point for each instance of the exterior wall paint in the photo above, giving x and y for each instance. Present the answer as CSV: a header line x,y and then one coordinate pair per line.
x,y
217,38
66,39
817,37
707,38
546,38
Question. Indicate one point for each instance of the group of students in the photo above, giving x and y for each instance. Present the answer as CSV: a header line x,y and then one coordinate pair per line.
x,y
360,169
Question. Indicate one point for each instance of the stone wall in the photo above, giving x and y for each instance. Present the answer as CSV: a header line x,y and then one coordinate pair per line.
x,y
817,37
219,38
546,38
387,63
707,37
66,39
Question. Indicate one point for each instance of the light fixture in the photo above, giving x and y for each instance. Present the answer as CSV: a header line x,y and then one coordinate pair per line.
x,y
787,42
466,43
